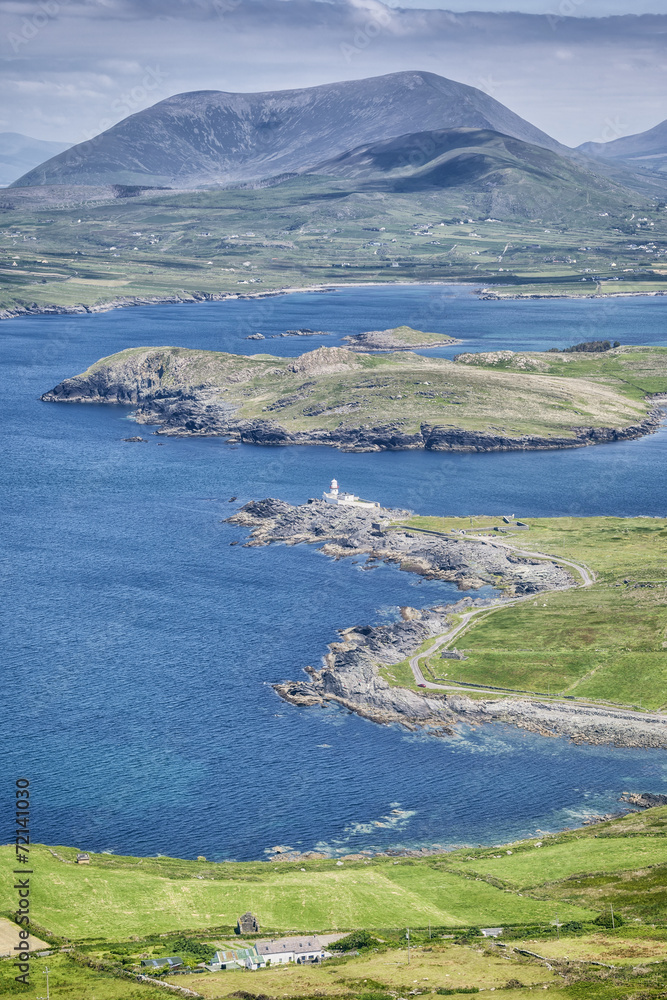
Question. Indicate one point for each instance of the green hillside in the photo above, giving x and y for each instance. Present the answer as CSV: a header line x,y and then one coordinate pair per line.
x,y
114,897
118,910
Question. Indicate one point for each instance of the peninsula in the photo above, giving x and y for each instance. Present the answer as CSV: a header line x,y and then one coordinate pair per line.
x,y
561,671
374,402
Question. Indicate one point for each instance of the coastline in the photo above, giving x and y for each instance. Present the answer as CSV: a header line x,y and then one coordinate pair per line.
x,y
350,673
133,301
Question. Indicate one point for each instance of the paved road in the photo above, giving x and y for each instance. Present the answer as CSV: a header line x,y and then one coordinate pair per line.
x,y
587,579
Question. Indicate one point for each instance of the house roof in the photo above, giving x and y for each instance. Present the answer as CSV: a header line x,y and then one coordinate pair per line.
x,y
281,946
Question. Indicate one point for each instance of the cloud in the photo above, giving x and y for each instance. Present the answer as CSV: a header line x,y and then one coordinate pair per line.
x,y
77,64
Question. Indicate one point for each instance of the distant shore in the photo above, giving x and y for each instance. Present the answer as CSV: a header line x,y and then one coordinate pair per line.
x,y
131,301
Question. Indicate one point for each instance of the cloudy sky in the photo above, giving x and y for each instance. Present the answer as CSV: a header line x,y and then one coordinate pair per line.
x,y
578,69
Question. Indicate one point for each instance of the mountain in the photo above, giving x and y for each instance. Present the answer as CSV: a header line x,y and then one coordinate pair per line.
x,y
496,173
644,150
19,153
212,137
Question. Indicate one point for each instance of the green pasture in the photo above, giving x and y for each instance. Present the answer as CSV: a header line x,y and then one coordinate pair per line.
x,y
606,642
117,898
69,981
537,866
118,910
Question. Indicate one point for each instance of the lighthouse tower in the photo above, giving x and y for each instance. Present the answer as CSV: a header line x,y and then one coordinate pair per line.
x,y
341,498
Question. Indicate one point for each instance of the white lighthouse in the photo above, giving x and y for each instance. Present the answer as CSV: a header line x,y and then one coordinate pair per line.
x,y
342,499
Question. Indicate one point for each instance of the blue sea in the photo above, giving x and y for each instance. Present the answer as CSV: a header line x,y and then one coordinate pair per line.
x,y
140,645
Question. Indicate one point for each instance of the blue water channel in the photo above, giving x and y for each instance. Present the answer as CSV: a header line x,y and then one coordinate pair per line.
x,y
140,645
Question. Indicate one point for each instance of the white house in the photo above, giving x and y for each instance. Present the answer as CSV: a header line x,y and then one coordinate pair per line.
x,y
342,499
300,950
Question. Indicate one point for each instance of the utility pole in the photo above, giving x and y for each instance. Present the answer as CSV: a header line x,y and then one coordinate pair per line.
x,y
407,934
46,973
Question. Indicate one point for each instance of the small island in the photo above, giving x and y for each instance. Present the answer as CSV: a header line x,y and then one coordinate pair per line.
x,y
358,401
398,338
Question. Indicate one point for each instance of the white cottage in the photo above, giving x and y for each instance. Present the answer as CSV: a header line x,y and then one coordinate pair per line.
x,y
299,950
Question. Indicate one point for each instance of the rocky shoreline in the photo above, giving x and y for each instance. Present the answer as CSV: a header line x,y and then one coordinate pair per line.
x,y
188,415
350,671
127,302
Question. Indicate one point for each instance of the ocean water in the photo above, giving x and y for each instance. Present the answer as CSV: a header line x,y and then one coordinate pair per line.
x,y
139,645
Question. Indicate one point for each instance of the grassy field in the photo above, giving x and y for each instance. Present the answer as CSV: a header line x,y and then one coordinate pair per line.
x,y
635,371
73,982
606,642
314,231
118,911
329,387
116,897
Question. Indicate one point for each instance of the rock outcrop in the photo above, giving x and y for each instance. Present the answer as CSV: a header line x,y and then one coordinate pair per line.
x,y
345,531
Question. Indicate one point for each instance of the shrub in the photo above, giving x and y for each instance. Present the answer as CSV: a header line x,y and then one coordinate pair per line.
x,y
192,947
355,940
605,920
594,346
444,991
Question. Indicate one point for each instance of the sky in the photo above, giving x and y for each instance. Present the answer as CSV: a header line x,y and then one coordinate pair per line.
x,y
576,8
578,69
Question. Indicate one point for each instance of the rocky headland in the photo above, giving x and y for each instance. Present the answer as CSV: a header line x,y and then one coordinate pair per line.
x,y
350,672
342,531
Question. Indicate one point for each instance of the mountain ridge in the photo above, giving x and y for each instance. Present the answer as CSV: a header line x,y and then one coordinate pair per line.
x,y
483,163
205,138
644,150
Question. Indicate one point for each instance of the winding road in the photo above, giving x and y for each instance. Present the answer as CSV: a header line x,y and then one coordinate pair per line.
x,y
587,579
